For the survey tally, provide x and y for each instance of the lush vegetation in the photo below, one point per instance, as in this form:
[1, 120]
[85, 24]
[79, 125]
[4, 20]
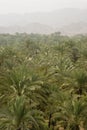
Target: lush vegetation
[43, 82]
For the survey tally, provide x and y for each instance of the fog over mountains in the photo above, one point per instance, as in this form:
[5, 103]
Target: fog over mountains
[67, 21]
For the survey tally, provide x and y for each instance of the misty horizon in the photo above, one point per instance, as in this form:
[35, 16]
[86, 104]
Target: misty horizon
[31, 6]
[43, 16]
[45, 11]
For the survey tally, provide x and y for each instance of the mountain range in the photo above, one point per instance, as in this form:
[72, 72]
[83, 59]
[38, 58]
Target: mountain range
[67, 21]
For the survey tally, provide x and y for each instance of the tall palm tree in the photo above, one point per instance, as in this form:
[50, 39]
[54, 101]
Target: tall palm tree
[71, 111]
[20, 116]
[77, 82]
[17, 82]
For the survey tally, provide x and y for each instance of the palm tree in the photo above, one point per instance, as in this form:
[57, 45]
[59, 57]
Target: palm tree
[20, 116]
[71, 112]
[17, 82]
[77, 82]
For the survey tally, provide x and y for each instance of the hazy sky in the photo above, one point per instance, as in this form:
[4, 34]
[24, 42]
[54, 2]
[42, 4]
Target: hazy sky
[23, 6]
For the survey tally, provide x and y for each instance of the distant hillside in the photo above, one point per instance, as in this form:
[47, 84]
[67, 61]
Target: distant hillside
[74, 28]
[30, 28]
[69, 21]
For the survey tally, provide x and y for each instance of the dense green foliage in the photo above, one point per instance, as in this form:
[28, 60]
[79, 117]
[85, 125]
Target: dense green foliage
[43, 82]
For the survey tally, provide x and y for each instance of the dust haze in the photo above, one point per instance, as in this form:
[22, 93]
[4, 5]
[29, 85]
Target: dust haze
[43, 16]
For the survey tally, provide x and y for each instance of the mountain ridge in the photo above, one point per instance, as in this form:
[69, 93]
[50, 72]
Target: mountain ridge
[45, 22]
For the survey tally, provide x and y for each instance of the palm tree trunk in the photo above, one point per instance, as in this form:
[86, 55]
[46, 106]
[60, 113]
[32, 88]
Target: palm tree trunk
[49, 123]
[75, 127]
[18, 128]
